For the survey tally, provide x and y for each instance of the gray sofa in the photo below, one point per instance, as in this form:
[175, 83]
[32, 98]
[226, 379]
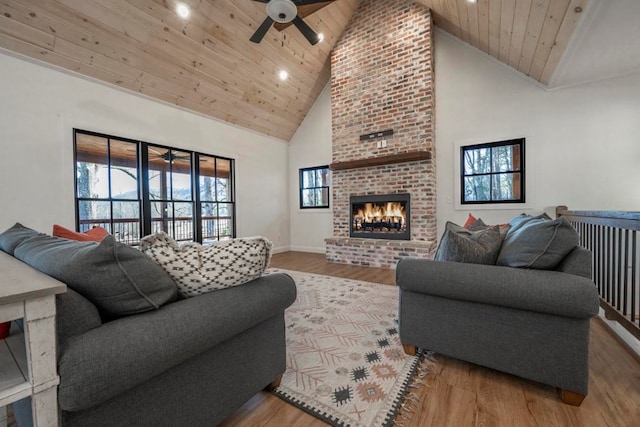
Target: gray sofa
[533, 323]
[176, 362]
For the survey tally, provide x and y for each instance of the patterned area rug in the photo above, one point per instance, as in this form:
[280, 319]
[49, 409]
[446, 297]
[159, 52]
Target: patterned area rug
[345, 362]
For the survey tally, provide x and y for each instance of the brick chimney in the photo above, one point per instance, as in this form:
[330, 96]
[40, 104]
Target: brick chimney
[382, 79]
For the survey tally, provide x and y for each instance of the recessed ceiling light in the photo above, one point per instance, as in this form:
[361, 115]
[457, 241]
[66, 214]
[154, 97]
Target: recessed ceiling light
[283, 75]
[471, 1]
[183, 10]
[321, 37]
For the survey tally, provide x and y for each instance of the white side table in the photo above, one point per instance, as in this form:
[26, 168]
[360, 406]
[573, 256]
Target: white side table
[28, 363]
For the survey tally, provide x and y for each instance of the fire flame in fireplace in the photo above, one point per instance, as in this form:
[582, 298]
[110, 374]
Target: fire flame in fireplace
[389, 211]
[381, 218]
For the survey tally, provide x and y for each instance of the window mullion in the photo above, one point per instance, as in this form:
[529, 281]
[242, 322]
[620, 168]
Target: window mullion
[197, 208]
[146, 194]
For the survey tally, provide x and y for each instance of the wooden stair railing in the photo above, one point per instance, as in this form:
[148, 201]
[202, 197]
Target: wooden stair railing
[613, 239]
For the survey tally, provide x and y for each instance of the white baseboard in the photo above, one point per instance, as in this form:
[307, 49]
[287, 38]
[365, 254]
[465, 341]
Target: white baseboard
[280, 249]
[311, 249]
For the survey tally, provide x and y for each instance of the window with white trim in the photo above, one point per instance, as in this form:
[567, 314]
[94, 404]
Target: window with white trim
[493, 172]
[314, 187]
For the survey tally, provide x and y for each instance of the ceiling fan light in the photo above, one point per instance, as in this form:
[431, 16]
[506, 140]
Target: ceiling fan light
[282, 11]
[183, 10]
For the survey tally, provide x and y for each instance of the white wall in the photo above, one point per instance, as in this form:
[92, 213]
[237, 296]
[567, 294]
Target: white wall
[309, 147]
[582, 145]
[581, 142]
[40, 106]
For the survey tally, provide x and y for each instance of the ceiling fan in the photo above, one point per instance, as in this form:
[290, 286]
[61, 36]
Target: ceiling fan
[285, 12]
[168, 156]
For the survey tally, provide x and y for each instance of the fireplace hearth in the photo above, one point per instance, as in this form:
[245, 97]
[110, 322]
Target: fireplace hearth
[381, 216]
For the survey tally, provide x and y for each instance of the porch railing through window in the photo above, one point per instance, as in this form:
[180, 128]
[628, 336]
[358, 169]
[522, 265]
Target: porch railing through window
[614, 241]
[127, 230]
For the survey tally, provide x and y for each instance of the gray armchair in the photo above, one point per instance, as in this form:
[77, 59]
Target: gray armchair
[530, 323]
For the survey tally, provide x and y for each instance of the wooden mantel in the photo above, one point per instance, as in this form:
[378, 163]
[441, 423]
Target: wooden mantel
[413, 156]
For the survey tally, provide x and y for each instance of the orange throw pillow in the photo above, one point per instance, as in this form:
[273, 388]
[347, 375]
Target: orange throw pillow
[96, 234]
[470, 220]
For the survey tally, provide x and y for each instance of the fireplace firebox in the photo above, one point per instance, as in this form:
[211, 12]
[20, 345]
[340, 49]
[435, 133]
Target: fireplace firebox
[381, 216]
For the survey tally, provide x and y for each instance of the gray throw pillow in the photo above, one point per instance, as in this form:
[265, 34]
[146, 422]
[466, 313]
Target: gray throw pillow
[475, 247]
[538, 243]
[522, 219]
[117, 278]
[517, 220]
[477, 225]
[15, 235]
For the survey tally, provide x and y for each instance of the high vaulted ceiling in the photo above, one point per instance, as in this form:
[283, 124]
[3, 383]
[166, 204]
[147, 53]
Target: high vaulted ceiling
[207, 63]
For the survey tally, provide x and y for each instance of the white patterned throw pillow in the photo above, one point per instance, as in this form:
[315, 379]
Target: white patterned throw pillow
[198, 269]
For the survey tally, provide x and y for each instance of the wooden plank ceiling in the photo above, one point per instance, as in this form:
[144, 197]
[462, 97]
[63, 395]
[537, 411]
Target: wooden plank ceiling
[207, 63]
[528, 35]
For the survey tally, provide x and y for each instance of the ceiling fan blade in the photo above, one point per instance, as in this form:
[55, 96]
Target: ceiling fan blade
[262, 30]
[304, 10]
[306, 30]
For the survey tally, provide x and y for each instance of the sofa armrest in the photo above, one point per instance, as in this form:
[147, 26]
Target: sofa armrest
[545, 291]
[118, 355]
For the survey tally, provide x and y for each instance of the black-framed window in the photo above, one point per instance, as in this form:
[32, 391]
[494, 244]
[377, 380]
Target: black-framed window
[314, 187]
[493, 172]
[134, 188]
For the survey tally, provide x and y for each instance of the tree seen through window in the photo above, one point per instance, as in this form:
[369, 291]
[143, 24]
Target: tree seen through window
[314, 187]
[493, 173]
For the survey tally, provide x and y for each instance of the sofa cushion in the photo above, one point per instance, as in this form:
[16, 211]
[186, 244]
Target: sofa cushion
[198, 269]
[461, 245]
[15, 235]
[117, 278]
[96, 234]
[537, 243]
[75, 315]
[577, 262]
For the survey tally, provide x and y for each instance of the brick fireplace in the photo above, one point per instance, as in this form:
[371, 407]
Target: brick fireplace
[382, 80]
